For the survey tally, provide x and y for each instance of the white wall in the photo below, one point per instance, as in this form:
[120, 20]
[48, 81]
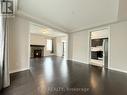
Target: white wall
[18, 44]
[10, 27]
[79, 43]
[37, 39]
[40, 40]
[59, 46]
[119, 46]
[122, 14]
[78, 46]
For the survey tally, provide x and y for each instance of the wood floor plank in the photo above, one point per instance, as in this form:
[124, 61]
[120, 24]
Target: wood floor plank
[56, 76]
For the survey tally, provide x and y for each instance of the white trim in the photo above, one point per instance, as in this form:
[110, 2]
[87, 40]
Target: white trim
[67, 50]
[40, 21]
[96, 26]
[119, 70]
[109, 42]
[29, 49]
[18, 70]
[88, 56]
[99, 28]
[79, 61]
[109, 47]
[64, 29]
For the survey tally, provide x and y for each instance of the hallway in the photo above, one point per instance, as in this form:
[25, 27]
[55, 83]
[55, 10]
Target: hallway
[55, 76]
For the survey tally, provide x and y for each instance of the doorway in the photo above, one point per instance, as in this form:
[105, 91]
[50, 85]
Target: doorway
[46, 42]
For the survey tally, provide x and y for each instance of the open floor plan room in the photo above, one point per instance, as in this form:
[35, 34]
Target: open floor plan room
[63, 47]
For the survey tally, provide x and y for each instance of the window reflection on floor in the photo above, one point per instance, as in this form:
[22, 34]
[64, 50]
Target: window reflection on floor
[48, 69]
[64, 70]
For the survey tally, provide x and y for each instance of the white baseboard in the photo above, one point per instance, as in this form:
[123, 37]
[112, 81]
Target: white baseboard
[119, 70]
[78, 61]
[18, 70]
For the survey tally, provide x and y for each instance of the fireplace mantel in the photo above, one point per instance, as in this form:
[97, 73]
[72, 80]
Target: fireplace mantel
[37, 45]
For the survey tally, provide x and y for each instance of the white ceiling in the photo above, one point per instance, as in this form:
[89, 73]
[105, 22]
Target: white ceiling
[45, 31]
[72, 15]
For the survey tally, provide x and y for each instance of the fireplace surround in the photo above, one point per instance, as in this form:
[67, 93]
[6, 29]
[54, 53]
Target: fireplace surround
[37, 51]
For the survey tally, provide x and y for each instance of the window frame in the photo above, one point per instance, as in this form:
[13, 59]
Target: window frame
[49, 44]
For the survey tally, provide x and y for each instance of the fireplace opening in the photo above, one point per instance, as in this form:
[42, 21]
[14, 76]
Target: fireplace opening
[37, 51]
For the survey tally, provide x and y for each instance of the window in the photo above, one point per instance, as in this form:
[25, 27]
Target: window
[49, 44]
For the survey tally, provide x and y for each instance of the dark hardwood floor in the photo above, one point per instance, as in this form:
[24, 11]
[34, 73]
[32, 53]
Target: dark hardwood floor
[55, 76]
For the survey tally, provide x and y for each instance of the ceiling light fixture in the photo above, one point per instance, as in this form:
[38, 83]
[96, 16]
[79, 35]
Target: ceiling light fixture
[44, 31]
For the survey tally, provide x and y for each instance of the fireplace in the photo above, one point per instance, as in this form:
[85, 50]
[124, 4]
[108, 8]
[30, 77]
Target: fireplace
[37, 51]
